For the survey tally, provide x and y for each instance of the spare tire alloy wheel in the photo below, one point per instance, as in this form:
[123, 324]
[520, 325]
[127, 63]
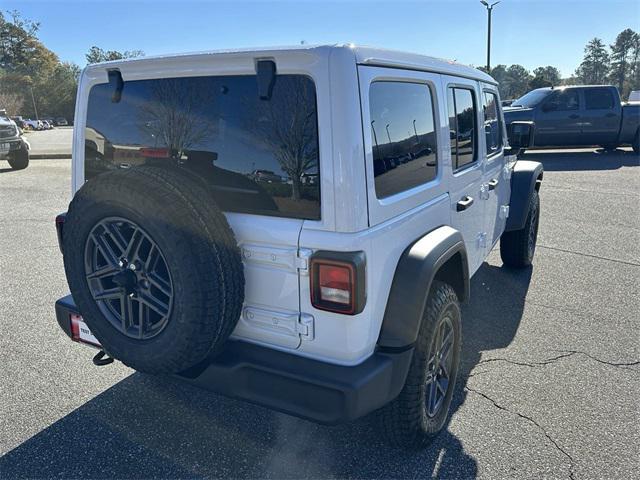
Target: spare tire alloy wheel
[153, 267]
[128, 278]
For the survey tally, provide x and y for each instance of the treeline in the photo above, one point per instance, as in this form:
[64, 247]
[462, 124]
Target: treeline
[32, 77]
[618, 64]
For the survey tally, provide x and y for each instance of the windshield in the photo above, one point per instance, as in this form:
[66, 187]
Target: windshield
[531, 99]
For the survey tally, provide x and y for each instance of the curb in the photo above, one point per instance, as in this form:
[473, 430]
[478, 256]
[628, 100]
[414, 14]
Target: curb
[50, 156]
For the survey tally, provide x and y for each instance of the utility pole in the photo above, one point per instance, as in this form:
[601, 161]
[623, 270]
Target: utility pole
[489, 8]
[33, 99]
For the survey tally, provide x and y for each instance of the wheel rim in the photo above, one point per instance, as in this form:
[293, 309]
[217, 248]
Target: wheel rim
[128, 278]
[439, 367]
[533, 234]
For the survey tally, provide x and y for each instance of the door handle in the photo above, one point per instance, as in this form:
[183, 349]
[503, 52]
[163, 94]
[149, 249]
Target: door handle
[464, 203]
[574, 116]
[609, 115]
[493, 183]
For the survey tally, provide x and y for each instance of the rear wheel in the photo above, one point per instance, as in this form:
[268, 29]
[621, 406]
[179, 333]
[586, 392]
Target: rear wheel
[19, 159]
[418, 414]
[518, 247]
[155, 271]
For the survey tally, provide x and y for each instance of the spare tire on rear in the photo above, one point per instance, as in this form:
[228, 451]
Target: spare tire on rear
[153, 267]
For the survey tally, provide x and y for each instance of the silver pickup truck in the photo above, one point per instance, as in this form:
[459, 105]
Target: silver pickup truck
[578, 115]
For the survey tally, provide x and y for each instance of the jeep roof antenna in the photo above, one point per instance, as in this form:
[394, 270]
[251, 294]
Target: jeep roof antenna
[266, 72]
[116, 82]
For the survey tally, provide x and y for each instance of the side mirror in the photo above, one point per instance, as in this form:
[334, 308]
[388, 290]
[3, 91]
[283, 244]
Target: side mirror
[520, 134]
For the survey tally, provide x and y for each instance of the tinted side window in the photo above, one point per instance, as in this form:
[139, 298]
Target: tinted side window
[257, 156]
[462, 126]
[404, 136]
[598, 99]
[564, 101]
[492, 123]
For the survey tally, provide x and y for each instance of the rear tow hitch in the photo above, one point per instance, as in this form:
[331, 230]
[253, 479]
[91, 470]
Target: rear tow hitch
[101, 359]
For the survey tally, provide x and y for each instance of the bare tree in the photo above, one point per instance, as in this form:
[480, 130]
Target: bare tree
[288, 125]
[172, 115]
[11, 102]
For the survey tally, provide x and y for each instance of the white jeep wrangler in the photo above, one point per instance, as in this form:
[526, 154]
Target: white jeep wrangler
[292, 227]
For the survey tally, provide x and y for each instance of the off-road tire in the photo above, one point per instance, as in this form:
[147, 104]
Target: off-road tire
[405, 422]
[515, 249]
[200, 251]
[19, 159]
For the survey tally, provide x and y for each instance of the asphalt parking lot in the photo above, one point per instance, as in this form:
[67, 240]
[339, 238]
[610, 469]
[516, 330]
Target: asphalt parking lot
[49, 144]
[549, 386]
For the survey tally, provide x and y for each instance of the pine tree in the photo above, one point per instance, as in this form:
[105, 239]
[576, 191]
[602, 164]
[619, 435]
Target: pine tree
[595, 64]
[622, 52]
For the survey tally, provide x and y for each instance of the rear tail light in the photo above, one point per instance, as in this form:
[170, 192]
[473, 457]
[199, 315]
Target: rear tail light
[338, 282]
[60, 228]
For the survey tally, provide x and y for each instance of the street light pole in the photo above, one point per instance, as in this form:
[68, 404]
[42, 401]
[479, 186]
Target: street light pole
[35, 110]
[388, 136]
[489, 8]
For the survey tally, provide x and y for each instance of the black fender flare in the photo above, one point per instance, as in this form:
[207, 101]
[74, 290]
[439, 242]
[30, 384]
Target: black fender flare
[415, 272]
[526, 177]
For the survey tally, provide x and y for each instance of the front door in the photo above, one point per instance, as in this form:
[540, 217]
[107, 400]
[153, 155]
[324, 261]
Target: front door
[559, 119]
[466, 192]
[496, 179]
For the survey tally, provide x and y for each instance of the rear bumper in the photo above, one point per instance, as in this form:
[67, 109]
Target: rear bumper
[299, 386]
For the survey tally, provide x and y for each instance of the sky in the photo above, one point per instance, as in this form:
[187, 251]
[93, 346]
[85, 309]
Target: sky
[529, 32]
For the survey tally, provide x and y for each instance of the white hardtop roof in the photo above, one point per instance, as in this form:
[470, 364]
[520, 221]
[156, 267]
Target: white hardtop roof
[363, 55]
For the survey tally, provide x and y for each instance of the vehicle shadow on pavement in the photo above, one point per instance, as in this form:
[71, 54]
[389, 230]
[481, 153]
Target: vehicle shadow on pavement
[491, 318]
[5, 170]
[148, 427]
[596, 159]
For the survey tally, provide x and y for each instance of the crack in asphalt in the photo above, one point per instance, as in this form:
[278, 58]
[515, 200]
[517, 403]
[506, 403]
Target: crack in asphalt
[608, 259]
[565, 354]
[613, 364]
[533, 422]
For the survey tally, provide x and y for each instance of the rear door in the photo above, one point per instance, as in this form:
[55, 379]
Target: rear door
[467, 193]
[559, 119]
[220, 129]
[602, 115]
[496, 179]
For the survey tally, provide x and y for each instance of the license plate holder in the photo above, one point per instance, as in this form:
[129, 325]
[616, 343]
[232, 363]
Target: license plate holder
[82, 333]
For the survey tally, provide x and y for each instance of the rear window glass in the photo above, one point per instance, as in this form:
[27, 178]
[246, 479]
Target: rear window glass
[462, 126]
[492, 123]
[257, 156]
[598, 99]
[404, 136]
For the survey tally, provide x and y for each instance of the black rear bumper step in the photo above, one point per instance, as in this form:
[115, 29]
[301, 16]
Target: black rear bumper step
[307, 388]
